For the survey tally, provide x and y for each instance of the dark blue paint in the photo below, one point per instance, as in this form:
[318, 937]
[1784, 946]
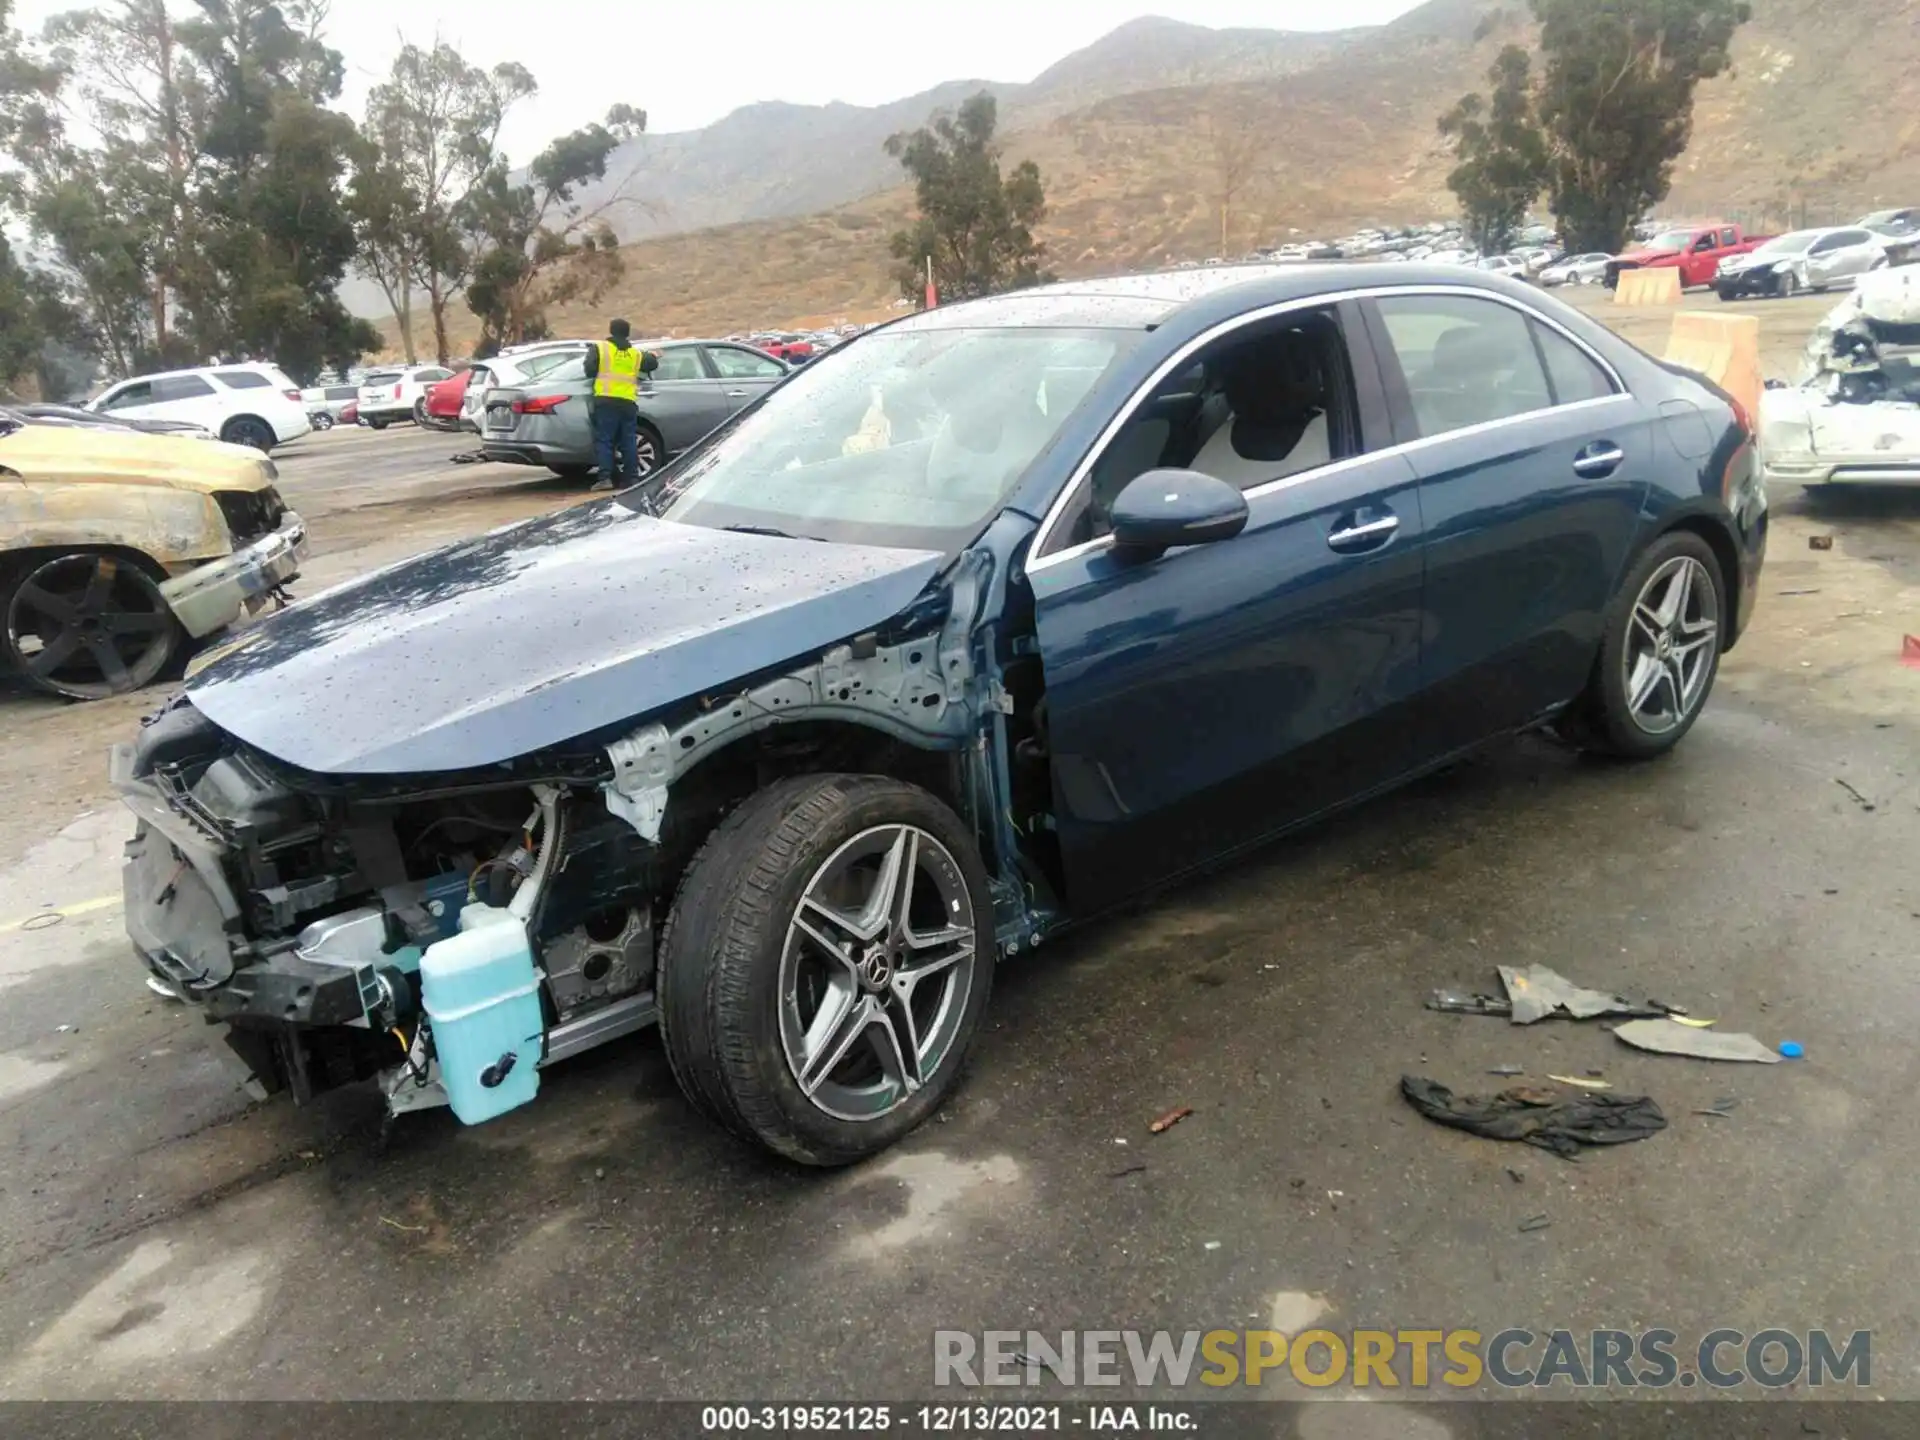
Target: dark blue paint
[538, 633]
[1165, 508]
[1206, 698]
[1523, 556]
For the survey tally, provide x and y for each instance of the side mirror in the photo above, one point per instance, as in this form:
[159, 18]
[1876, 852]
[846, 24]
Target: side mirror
[1166, 508]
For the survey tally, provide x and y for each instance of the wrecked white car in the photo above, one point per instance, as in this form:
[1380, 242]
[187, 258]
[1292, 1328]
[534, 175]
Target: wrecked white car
[1855, 415]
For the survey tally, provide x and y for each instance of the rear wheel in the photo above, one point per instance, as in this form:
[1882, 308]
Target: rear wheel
[247, 430]
[652, 449]
[1660, 653]
[377, 422]
[826, 964]
[420, 413]
[86, 625]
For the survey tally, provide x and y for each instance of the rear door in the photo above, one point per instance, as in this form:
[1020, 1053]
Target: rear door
[680, 399]
[744, 374]
[1532, 461]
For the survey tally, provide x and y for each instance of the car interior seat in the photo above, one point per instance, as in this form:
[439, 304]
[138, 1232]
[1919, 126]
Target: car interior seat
[1278, 385]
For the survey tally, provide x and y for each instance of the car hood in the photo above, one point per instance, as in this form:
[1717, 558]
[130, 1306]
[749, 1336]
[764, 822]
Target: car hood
[95, 454]
[1753, 260]
[537, 634]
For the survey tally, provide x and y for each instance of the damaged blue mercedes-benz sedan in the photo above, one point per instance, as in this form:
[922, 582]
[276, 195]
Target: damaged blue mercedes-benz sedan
[989, 621]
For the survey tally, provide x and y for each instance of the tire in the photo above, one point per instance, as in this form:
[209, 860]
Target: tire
[1786, 286]
[740, 983]
[420, 413]
[377, 422]
[323, 421]
[653, 450]
[571, 472]
[1605, 718]
[1727, 297]
[85, 625]
[251, 431]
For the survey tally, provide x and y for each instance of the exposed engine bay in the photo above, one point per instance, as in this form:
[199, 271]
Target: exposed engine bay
[336, 934]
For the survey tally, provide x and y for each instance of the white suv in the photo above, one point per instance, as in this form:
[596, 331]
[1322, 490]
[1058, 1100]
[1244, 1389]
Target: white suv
[397, 393]
[244, 404]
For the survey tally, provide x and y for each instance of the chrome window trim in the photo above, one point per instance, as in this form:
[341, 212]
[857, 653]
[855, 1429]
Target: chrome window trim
[1185, 353]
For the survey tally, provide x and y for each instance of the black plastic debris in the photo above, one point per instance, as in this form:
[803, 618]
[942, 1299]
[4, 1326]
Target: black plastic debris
[1544, 1118]
[1459, 1002]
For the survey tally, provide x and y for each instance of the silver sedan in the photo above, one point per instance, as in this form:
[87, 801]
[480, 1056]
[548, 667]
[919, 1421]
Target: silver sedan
[546, 419]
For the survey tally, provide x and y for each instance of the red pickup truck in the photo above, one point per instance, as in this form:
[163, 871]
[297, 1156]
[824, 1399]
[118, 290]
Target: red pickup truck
[1694, 250]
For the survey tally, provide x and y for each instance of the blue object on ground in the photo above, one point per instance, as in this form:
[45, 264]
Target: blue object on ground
[1792, 1049]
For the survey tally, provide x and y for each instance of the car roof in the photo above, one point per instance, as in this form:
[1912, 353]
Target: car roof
[1143, 301]
[200, 370]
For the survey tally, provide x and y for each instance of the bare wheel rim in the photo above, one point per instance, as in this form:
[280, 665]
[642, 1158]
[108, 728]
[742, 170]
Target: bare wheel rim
[1670, 650]
[89, 626]
[875, 972]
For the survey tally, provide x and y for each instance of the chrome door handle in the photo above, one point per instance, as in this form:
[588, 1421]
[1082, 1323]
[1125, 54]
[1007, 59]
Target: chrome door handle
[1599, 460]
[1363, 537]
[736, 394]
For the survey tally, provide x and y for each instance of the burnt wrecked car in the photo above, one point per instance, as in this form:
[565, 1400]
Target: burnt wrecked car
[984, 623]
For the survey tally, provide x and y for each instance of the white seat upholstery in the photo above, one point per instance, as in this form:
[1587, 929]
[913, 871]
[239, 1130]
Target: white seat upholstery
[1219, 459]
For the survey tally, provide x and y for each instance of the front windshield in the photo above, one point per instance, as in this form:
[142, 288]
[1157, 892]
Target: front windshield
[910, 438]
[1793, 244]
[1672, 240]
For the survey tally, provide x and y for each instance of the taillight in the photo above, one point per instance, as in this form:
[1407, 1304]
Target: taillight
[539, 404]
[293, 395]
[396, 392]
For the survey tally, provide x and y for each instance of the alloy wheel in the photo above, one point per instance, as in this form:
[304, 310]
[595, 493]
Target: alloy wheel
[875, 972]
[89, 626]
[1669, 656]
[646, 453]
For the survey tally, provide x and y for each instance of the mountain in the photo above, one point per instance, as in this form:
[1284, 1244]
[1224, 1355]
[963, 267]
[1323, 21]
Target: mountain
[1818, 121]
[774, 159]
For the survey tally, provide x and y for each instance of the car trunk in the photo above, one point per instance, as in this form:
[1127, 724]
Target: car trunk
[509, 411]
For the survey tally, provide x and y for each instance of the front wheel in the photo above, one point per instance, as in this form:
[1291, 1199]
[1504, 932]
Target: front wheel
[826, 965]
[1660, 653]
[1786, 286]
[377, 422]
[86, 625]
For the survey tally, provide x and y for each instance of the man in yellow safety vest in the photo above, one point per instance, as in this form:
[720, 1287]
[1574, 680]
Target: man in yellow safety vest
[615, 367]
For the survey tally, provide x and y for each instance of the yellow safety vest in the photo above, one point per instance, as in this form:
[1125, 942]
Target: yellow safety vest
[618, 377]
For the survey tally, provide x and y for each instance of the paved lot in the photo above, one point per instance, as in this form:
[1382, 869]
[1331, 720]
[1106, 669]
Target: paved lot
[160, 1237]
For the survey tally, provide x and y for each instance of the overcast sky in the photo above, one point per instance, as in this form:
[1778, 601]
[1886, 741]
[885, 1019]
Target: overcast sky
[688, 62]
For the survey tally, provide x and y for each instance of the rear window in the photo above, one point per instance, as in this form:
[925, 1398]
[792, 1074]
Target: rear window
[380, 377]
[342, 392]
[242, 379]
[179, 387]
